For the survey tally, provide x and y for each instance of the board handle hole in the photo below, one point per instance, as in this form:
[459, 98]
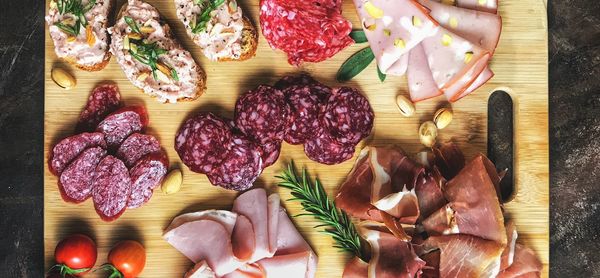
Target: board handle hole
[500, 143]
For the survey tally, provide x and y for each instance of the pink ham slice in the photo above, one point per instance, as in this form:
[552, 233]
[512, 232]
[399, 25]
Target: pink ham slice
[400, 67]
[200, 270]
[525, 265]
[421, 85]
[389, 49]
[253, 204]
[490, 6]
[454, 62]
[390, 256]
[483, 78]
[294, 265]
[478, 27]
[246, 271]
[243, 244]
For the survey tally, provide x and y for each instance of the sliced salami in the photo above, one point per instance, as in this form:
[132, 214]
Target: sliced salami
[122, 123]
[202, 142]
[136, 146]
[146, 175]
[291, 80]
[305, 107]
[269, 153]
[327, 151]
[241, 167]
[262, 114]
[104, 100]
[348, 116]
[75, 182]
[69, 148]
[111, 188]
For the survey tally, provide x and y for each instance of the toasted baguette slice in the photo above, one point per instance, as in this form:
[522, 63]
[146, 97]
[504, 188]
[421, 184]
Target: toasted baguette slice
[227, 36]
[88, 50]
[176, 77]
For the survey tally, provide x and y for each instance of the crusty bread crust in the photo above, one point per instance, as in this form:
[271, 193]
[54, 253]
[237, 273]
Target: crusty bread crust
[249, 42]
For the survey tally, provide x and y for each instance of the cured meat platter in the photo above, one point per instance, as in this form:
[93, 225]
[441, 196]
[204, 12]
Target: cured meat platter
[520, 67]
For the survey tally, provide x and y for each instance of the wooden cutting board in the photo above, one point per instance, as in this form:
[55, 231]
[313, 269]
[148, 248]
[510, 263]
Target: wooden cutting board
[521, 67]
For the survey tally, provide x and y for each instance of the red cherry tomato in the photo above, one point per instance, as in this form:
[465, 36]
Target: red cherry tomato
[128, 258]
[75, 255]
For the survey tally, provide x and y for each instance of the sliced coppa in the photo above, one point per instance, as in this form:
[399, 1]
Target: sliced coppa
[262, 114]
[305, 108]
[202, 142]
[269, 153]
[122, 123]
[327, 151]
[75, 182]
[348, 116]
[136, 146]
[69, 148]
[111, 188]
[104, 100]
[241, 167]
[146, 175]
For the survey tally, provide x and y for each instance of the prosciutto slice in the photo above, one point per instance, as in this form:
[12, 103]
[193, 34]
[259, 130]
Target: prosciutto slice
[391, 257]
[421, 85]
[356, 268]
[525, 264]
[508, 254]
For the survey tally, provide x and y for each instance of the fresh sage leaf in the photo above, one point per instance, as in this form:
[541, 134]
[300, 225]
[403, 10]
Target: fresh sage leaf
[380, 74]
[355, 64]
[358, 36]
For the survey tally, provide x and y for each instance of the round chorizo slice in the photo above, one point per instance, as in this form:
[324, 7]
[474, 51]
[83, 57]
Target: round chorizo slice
[122, 123]
[146, 175]
[75, 182]
[103, 100]
[241, 167]
[136, 146]
[111, 188]
[348, 116]
[69, 148]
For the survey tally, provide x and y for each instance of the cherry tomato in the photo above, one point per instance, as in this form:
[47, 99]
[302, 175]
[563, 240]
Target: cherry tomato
[75, 255]
[128, 258]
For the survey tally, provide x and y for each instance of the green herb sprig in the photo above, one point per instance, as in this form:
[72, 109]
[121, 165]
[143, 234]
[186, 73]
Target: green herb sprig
[316, 203]
[359, 60]
[207, 7]
[78, 10]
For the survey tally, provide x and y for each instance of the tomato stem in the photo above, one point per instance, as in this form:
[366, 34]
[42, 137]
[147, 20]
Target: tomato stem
[64, 270]
[115, 273]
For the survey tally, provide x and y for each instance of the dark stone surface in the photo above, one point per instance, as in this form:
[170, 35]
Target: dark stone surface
[574, 45]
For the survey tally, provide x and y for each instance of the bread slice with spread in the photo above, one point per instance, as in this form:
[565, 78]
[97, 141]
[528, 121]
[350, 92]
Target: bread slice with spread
[152, 59]
[219, 28]
[78, 29]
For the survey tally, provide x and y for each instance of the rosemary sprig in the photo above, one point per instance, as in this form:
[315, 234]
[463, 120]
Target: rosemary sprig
[78, 10]
[207, 7]
[316, 203]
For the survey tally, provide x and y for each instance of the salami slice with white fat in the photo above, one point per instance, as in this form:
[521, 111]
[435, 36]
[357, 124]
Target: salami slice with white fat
[305, 107]
[421, 85]
[202, 142]
[75, 182]
[240, 168]
[104, 100]
[477, 27]
[327, 151]
[269, 153]
[262, 114]
[146, 175]
[120, 124]
[136, 146]
[454, 62]
[69, 148]
[348, 116]
[111, 188]
[490, 6]
[291, 80]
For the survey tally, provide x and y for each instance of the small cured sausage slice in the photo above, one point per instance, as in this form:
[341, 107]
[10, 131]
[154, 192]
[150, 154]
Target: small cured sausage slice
[241, 166]
[269, 153]
[104, 100]
[202, 142]
[454, 62]
[75, 182]
[406, 26]
[146, 175]
[305, 107]
[348, 116]
[122, 123]
[111, 188]
[136, 146]
[325, 150]
[421, 85]
[69, 148]
[291, 80]
[490, 6]
[262, 114]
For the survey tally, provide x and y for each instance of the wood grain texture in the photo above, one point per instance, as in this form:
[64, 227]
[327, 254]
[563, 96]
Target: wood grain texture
[520, 64]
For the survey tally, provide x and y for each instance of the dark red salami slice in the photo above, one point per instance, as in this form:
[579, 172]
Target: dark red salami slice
[269, 153]
[348, 116]
[291, 80]
[136, 146]
[262, 114]
[69, 148]
[122, 123]
[104, 100]
[146, 175]
[75, 182]
[111, 188]
[305, 107]
[325, 150]
[202, 142]
[241, 167]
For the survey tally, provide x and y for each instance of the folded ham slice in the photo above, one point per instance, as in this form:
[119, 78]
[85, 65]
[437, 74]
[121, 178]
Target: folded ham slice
[490, 6]
[253, 204]
[525, 264]
[393, 31]
[483, 77]
[421, 85]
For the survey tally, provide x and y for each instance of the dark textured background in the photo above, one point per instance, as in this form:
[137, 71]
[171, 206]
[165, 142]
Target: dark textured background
[574, 41]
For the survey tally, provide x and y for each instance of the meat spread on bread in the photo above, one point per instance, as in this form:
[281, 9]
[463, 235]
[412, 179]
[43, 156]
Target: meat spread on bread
[152, 59]
[78, 29]
[219, 28]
